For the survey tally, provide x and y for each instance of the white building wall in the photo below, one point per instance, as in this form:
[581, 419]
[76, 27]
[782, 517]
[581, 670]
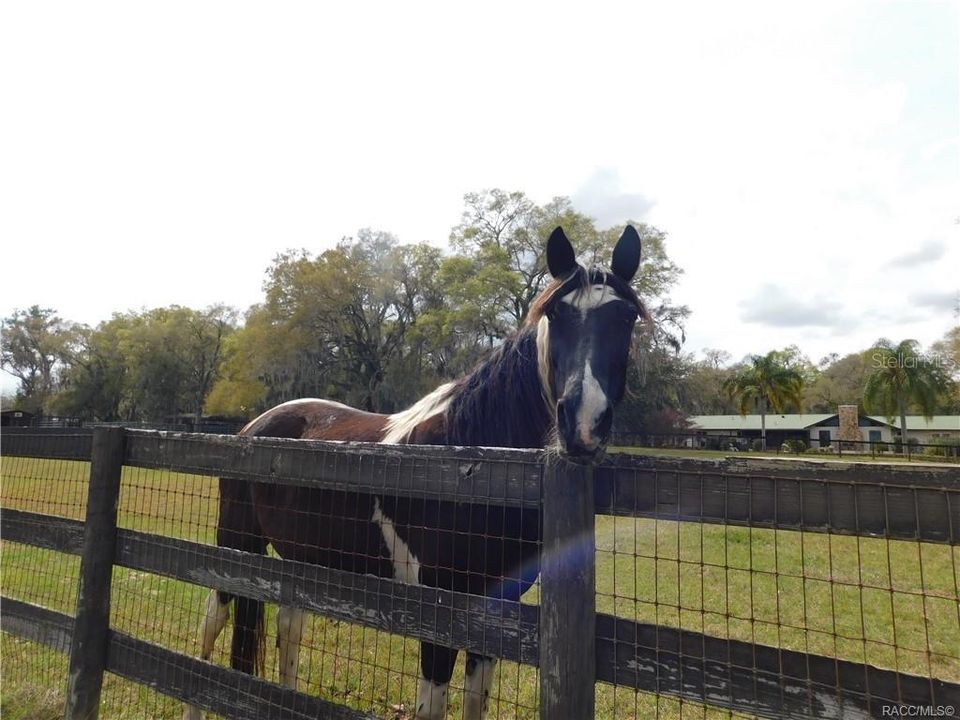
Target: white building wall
[928, 437]
[886, 434]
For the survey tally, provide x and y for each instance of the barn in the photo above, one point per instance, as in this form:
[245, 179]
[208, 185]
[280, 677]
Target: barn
[16, 418]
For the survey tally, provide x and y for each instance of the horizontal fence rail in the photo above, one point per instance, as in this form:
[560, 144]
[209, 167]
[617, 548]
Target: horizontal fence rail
[440, 473]
[746, 677]
[31, 622]
[47, 443]
[902, 502]
[443, 616]
[200, 683]
[895, 502]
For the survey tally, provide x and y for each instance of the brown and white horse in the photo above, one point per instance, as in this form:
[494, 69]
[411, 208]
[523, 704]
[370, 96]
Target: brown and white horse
[556, 380]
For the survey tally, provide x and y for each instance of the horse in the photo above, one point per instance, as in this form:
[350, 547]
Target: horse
[554, 383]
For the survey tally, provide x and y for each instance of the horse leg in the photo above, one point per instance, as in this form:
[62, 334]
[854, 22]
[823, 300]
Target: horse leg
[476, 686]
[239, 529]
[436, 669]
[215, 617]
[289, 633]
[214, 620]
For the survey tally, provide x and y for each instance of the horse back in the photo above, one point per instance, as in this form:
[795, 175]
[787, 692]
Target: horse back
[312, 419]
[239, 526]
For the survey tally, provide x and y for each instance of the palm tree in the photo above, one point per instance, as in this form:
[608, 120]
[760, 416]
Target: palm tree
[768, 382]
[902, 376]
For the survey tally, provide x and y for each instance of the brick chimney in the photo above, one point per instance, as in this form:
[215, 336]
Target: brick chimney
[849, 423]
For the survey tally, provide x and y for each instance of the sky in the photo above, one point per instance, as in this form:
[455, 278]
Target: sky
[802, 157]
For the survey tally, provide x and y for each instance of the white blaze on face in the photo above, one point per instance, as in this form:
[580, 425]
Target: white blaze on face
[593, 403]
[589, 298]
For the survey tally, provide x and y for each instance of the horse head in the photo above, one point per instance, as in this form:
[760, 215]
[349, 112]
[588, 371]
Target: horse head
[585, 320]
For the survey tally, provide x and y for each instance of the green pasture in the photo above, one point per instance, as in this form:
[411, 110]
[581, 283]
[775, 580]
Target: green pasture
[916, 458]
[893, 604]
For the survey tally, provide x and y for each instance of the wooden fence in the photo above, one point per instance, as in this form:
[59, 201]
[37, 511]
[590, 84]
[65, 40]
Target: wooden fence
[573, 645]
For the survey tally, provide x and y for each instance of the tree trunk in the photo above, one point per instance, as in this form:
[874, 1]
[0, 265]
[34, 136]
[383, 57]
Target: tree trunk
[903, 421]
[763, 423]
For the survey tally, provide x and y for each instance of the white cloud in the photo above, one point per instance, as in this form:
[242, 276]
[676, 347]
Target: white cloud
[947, 300]
[602, 197]
[773, 306]
[928, 252]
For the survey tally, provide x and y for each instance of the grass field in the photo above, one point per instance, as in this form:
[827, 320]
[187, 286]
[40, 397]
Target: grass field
[893, 604]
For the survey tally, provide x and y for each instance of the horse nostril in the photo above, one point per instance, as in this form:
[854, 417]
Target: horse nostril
[604, 423]
[567, 422]
[566, 414]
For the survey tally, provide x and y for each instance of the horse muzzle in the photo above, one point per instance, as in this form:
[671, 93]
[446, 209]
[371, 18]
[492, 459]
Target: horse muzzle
[581, 444]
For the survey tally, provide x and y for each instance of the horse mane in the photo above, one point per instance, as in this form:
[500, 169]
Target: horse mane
[501, 403]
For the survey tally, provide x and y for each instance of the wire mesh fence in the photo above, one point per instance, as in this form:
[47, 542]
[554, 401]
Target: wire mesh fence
[943, 447]
[846, 568]
[722, 590]
[33, 675]
[359, 667]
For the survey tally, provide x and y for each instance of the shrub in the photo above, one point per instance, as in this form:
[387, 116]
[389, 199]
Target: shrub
[794, 446]
[944, 447]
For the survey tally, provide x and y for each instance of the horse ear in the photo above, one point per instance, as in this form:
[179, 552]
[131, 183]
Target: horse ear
[626, 255]
[561, 258]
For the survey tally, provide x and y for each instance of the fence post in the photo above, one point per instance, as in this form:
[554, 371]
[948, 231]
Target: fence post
[567, 592]
[88, 649]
